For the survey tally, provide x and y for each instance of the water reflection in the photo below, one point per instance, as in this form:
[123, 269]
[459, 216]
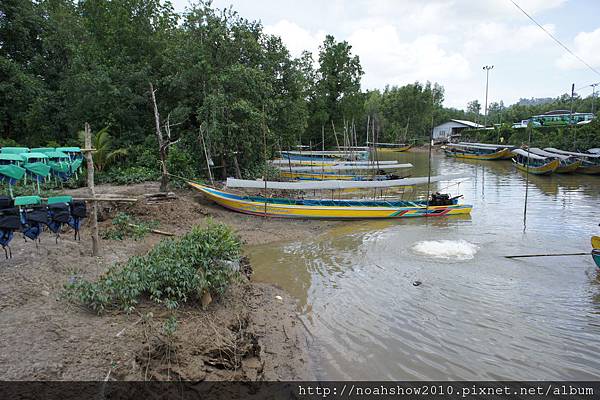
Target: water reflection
[482, 318]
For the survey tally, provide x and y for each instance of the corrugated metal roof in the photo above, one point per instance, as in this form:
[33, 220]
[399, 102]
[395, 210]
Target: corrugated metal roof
[467, 123]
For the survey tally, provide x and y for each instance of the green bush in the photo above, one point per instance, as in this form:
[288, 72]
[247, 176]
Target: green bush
[124, 226]
[127, 175]
[174, 272]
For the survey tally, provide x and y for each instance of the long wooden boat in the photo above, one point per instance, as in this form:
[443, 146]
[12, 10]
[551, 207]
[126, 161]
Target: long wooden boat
[390, 147]
[333, 172]
[508, 155]
[322, 176]
[567, 164]
[314, 163]
[324, 156]
[534, 164]
[475, 152]
[590, 163]
[329, 209]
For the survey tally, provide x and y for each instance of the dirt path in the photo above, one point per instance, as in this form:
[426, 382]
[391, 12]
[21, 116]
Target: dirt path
[251, 333]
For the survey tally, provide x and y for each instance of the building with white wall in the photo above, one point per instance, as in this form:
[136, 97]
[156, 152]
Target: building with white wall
[451, 129]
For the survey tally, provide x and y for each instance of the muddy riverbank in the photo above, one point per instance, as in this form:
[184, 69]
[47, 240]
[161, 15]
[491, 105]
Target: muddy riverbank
[251, 333]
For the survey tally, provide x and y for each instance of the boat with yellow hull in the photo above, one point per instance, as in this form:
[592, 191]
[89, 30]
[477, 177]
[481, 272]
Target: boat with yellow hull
[476, 152]
[393, 149]
[590, 162]
[567, 164]
[533, 163]
[596, 250]
[589, 169]
[497, 147]
[328, 209]
[568, 168]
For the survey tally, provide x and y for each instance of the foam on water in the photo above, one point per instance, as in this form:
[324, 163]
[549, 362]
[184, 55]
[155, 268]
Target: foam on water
[446, 249]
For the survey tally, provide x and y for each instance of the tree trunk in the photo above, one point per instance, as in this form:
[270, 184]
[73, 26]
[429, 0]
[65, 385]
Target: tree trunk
[162, 148]
[92, 190]
[224, 159]
[164, 178]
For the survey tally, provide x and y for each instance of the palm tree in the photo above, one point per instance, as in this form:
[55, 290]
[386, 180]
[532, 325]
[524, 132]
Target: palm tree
[104, 155]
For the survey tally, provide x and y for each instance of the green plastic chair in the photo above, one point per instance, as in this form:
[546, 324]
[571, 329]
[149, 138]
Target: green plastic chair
[60, 199]
[27, 200]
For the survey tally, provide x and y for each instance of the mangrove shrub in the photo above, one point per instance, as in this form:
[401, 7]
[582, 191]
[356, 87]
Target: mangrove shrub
[174, 272]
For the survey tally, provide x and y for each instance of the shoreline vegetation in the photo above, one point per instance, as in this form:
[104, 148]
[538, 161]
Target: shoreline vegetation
[243, 330]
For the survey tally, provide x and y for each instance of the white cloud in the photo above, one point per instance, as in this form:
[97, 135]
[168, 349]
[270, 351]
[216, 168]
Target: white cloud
[389, 60]
[495, 37]
[586, 46]
[296, 38]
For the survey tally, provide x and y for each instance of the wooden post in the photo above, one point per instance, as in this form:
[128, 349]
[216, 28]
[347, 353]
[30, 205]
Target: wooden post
[90, 181]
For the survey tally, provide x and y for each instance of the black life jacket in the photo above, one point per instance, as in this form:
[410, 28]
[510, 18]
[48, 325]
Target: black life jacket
[33, 219]
[58, 215]
[10, 221]
[78, 211]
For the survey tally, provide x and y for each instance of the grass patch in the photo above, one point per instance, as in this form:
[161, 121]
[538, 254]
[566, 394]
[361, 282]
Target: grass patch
[125, 226]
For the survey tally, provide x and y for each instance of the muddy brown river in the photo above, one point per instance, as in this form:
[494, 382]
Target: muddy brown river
[436, 299]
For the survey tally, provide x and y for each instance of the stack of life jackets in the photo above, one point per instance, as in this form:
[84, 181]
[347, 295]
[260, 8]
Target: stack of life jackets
[9, 223]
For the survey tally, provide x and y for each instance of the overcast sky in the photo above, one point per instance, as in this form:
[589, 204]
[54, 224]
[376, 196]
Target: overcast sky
[446, 41]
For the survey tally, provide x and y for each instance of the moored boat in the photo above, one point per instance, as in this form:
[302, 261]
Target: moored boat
[390, 147]
[326, 155]
[590, 163]
[507, 156]
[567, 164]
[596, 249]
[378, 172]
[534, 164]
[321, 176]
[333, 209]
[475, 152]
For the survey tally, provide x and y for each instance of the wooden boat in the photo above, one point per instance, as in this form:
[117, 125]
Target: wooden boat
[596, 250]
[321, 176]
[590, 163]
[308, 163]
[334, 172]
[325, 156]
[498, 147]
[475, 152]
[534, 164]
[567, 164]
[390, 147]
[328, 209]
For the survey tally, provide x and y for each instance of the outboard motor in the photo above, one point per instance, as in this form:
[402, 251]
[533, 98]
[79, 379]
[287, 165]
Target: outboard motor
[441, 199]
[9, 222]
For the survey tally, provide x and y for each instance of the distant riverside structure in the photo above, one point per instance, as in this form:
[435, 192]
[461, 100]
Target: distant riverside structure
[448, 131]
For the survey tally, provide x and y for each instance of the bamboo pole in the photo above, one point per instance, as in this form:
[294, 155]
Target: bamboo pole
[92, 190]
[548, 255]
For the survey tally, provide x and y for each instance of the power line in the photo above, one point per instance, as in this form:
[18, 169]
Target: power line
[555, 39]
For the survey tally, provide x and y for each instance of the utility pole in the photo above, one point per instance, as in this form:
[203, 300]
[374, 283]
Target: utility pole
[487, 80]
[593, 85]
[572, 95]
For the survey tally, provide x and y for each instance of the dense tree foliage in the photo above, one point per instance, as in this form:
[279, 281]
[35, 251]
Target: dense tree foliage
[220, 80]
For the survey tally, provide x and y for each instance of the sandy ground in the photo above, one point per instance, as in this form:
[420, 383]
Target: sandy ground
[251, 333]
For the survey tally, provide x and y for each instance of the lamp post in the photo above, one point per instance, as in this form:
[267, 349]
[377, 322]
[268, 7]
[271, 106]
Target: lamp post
[487, 80]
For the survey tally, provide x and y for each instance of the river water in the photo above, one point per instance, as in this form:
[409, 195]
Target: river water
[475, 315]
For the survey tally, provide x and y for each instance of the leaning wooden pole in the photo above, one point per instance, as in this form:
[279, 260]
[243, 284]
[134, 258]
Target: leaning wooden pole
[90, 182]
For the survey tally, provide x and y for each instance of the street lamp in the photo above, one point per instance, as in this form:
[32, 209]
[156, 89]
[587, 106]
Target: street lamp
[487, 79]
